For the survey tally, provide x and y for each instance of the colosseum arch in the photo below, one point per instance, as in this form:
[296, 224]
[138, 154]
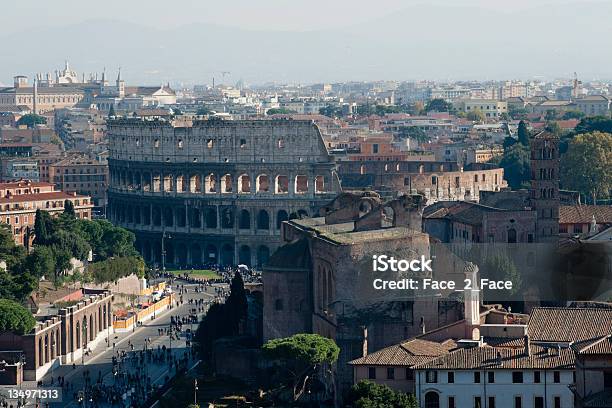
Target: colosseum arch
[145, 215]
[156, 182]
[181, 254]
[146, 181]
[227, 218]
[211, 253]
[156, 216]
[263, 254]
[168, 183]
[362, 169]
[281, 184]
[226, 183]
[181, 185]
[196, 254]
[301, 184]
[244, 221]
[263, 220]
[262, 183]
[244, 255]
[211, 183]
[211, 217]
[195, 218]
[181, 217]
[168, 217]
[195, 183]
[281, 216]
[227, 254]
[244, 183]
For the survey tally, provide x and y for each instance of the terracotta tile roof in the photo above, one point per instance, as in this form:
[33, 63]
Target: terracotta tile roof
[583, 214]
[502, 358]
[409, 353]
[52, 195]
[505, 342]
[567, 324]
[601, 345]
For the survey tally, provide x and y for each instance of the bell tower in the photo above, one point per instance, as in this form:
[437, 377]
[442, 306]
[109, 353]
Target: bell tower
[544, 193]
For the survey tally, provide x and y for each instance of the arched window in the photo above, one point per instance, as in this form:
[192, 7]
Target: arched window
[227, 218]
[244, 183]
[226, 183]
[280, 217]
[210, 183]
[319, 184]
[362, 169]
[282, 185]
[244, 255]
[262, 183]
[211, 218]
[511, 236]
[245, 220]
[263, 220]
[432, 400]
[301, 184]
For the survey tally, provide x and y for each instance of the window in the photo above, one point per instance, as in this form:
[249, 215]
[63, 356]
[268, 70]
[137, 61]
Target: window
[556, 376]
[209, 143]
[477, 402]
[409, 374]
[375, 148]
[557, 402]
[434, 180]
[477, 377]
[538, 402]
[390, 373]
[281, 143]
[518, 402]
[242, 143]
[431, 376]
[451, 402]
[491, 402]
[491, 377]
[451, 377]
[536, 377]
[372, 373]
[517, 377]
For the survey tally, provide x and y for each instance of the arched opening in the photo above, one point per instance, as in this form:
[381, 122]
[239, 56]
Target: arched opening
[227, 255]
[432, 400]
[302, 213]
[210, 183]
[91, 328]
[195, 218]
[196, 254]
[181, 254]
[156, 182]
[52, 345]
[263, 220]
[319, 184]
[244, 255]
[181, 186]
[245, 220]
[78, 335]
[262, 184]
[281, 216]
[195, 183]
[362, 169]
[168, 218]
[211, 218]
[211, 253]
[156, 216]
[512, 236]
[281, 185]
[46, 348]
[169, 247]
[145, 215]
[41, 353]
[226, 183]
[168, 183]
[227, 218]
[84, 328]
[301, 184]
[388, 216]
[244, 184]
[146, 181]
[263, 254]
[181, 220]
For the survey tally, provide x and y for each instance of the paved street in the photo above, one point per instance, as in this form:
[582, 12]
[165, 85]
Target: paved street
[138, 367]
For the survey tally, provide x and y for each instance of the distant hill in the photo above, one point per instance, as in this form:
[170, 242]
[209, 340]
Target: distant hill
[422, 41]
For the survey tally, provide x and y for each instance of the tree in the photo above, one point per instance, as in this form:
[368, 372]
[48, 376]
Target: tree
[111, 111]
[517, 166]
[554, 128]
[587, 165]
[366, 394]
[413, 132]
[476, 115]
[41, 262]
[331, 111]
[42, 227]
[517, 112]
[550, 114]
[301, 357]
[523, 134]
[69, 209]
[594, 124]
[30, 120]
[508, 142]
[280, 111]
[203, 110]
[500, 267]
[439, 105]
[15, 318]
[236, 303]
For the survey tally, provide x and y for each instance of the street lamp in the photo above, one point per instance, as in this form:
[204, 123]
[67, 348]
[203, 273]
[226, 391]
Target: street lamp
[163, 248]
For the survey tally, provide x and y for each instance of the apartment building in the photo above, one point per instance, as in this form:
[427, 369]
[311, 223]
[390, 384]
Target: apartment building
[83, 175]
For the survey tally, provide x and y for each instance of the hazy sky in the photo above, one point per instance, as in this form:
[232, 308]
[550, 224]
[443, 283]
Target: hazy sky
[18, 15]
[192, 41]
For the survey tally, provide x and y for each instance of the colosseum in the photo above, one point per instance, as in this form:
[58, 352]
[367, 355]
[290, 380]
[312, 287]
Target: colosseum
[215, 191]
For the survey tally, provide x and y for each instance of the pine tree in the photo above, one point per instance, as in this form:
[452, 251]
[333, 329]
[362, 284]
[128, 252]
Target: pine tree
[523, 134]
[69, 209]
